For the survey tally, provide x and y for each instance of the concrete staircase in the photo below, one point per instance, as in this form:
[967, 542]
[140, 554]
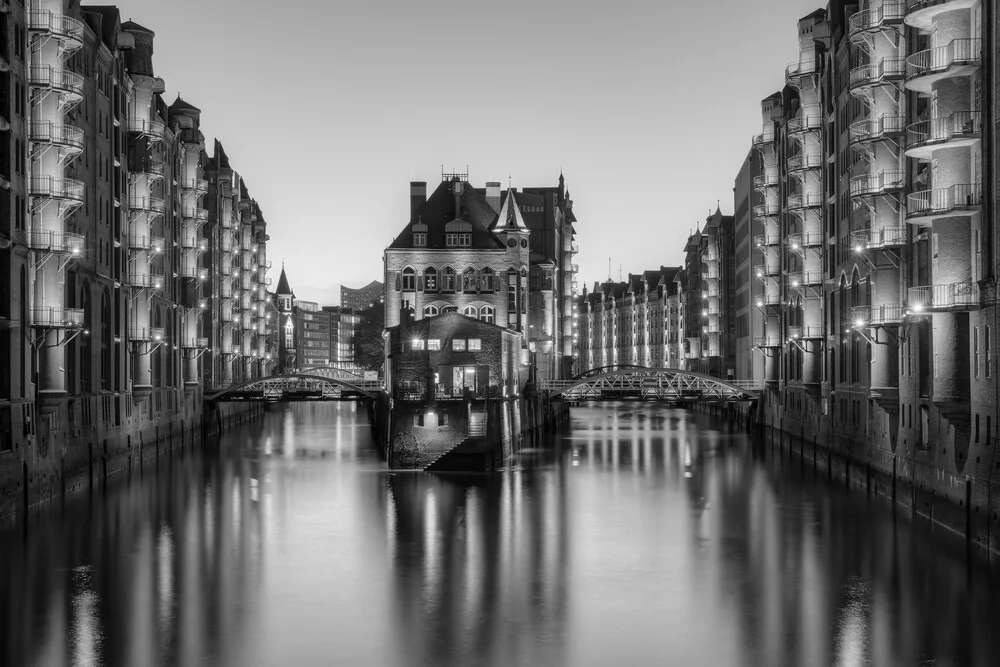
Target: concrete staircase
[471, 455]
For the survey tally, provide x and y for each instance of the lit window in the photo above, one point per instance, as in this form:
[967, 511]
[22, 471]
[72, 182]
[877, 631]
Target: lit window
[433, 344]
[458, 345]
[430, 279]
[469, 282]
[430, 311]
[486, 281]
[475, 345]
[417, 344]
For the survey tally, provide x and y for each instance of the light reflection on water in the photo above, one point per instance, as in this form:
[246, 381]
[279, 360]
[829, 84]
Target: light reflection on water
[644, 536]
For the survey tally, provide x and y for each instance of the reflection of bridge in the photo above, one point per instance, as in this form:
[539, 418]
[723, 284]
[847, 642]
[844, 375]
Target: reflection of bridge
[649, 384]
[315, 383]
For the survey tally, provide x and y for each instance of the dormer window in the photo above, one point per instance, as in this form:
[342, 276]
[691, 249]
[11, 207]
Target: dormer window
[420, 235]
[458, 234]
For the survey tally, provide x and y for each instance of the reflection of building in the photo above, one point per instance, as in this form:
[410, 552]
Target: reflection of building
[634, 322]
[363, 297]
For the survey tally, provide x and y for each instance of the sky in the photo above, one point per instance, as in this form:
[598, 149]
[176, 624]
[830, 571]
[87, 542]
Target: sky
[328, 109]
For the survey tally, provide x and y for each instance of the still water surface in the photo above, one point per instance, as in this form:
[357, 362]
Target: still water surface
[642, 536]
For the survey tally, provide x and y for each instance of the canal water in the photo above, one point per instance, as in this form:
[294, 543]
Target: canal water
[640, 536]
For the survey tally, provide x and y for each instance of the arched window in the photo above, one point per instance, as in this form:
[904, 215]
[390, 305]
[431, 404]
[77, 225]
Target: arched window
[448, 279]
[409, 279]
[486, 280]
[430, 279]
[471, 311]
[469, 282]
[449, 309]
[430, 311]
[487, 314]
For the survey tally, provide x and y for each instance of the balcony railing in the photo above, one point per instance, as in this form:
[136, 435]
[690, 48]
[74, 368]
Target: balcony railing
[64, 27]
[763, 139]
[146, 334]
[45, 240]
[197, 213]
[763, 270]
[57, 317]
[957, 199]
[885, 237]
[762, 181]
[197, 184]
[767, 341]
[195, 344]
[804, 240]
[956, 126]
[880, 128]
[762, 240]
[885, 70]
[805, 123]
[143, 242]
[938, 60]
[145, 280]
[877, 316]
[807, 200]
[800, 69]
[58, 134]
[877, 184]
[66, 189]
[766, 210]
[60, 80]
[193, 273]
[805, 332]
[889, 13]
[194, 243]
[151, 128]
[805, 278]
[147, 204]
[947, 296]
[807, 161]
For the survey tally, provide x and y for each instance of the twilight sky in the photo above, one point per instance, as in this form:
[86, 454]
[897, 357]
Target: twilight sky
[328, 109]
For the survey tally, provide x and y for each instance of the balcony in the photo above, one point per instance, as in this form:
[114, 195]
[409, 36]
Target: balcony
[226, 289]
[64, 189]
[962, 128]
[68, 30]
[767, 341]
[804, 123]
[198, 185]
[57, 317]
[64, 243]
[67, 137]
[879, 239]
[762, 181]
[773, 299]
[869, 75]
[961, 199]
[153, 205]
[198, 214]
[886, 314]
[766, 210]
[805, 332]
[226, 242]
[803, 162]
[141, 242]
[145, 280]
[920, 14]
[764, 240]
[799, 242]
[763, 139]
[767, 270]
[949, 296]
[146, 334]
[68, 84]
[960, 57]
[803, 201]
[884, 127]
[889, 14]
[805, 278]
[153, 128]
[193, 273]
[195, 344]
[882, 183]
[199, 243]
[796, 71]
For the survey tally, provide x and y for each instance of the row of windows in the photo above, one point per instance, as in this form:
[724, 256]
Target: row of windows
[471, 279]
[486, 313]
[457, 344]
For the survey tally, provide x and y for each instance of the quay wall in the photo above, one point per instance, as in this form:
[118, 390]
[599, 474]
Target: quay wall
[55, 447]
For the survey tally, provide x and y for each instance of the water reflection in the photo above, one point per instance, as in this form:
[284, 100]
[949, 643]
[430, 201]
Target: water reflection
[642, 537]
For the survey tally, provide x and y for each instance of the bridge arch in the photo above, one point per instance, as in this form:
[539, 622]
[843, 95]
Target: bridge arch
[640, 383]
[277, 387]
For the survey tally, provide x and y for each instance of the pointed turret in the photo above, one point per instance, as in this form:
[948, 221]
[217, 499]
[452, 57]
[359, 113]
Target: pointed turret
[283, 288]
[510, 217]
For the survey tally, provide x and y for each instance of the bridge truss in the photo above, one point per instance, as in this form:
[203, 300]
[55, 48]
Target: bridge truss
[299, 387]
[649, 384]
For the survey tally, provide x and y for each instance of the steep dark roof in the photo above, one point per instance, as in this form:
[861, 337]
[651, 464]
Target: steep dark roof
[130, 25]
[283, 287]
[440, 209]
[181, 105]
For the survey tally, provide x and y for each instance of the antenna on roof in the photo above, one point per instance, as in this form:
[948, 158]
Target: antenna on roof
[609, 269]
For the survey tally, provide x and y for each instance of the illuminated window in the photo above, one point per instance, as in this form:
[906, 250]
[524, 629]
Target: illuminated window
[417, 344]
[433, 344]
[469, 282]
[430, 311]
[430, 279]
[458, 345]
[486, 281]
[475, 345]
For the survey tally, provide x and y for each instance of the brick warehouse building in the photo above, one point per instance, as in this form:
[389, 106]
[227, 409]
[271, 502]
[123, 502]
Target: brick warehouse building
[102, 318]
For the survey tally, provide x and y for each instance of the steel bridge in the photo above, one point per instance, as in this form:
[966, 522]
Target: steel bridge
[302, 386]
[638, 383]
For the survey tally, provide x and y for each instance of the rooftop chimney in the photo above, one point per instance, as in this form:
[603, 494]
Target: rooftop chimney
[418, 196]
[493, 195]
